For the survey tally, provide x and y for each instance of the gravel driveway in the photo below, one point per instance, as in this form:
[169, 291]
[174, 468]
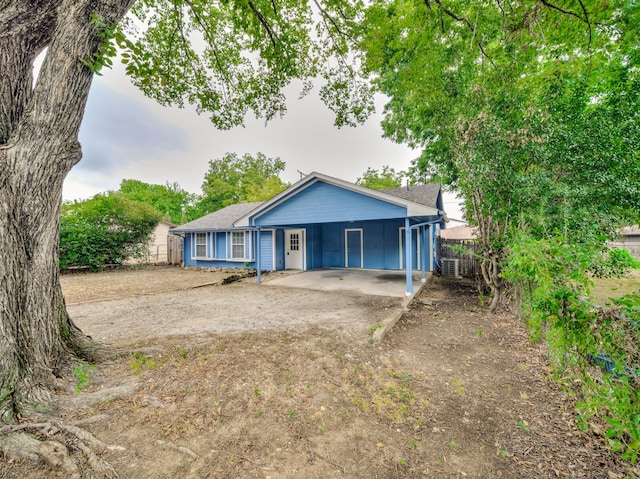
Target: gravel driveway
[236, 308]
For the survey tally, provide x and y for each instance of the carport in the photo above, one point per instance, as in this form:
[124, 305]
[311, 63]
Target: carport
[365, 281]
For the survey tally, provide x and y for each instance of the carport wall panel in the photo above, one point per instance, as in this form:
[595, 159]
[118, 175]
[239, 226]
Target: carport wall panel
[380, 244]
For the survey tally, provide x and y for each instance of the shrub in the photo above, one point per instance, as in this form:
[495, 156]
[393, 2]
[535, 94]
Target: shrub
[104, 230]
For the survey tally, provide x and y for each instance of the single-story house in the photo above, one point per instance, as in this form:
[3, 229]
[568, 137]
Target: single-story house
[322, 222]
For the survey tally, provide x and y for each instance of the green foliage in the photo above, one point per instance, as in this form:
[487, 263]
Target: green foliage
[169, 199]
[530, 112]
[107, 49]
[230, 58]
[233, 179]
[615, 264]
[104, 230]
[380, 180]
[598, 346]
[82, 372]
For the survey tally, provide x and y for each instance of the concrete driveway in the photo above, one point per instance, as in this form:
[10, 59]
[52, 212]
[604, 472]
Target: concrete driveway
[363, 281]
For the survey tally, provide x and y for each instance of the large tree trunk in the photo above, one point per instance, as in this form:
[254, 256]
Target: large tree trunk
[38, 147]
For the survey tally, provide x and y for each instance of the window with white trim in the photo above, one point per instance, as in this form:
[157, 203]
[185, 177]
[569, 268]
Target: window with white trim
[200, 245]
[237, 245]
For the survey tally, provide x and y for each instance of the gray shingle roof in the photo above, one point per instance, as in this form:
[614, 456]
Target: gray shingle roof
[221, 219]
[423, 194]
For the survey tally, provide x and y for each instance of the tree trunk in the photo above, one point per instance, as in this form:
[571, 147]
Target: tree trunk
[38, 147]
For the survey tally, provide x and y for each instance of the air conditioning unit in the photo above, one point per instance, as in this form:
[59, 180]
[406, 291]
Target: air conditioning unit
[450, 267]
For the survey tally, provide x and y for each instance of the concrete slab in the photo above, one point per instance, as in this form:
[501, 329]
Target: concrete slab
[364, 281]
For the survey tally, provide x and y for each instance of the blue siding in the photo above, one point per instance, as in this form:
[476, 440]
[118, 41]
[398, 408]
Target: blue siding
[380, 242]
[414, 248]
[325, 246]
[221, 245]
[322, 203]
[266, 250]
[279, 250]
[314, 246]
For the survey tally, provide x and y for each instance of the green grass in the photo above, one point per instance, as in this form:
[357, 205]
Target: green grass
[605, 288]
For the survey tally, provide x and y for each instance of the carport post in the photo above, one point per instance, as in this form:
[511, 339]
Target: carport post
[423, 254]
[408, 255]
[258, 266]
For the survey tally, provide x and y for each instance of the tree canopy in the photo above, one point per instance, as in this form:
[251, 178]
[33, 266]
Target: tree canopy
[379, 180]
[240, 179]
[169, 199]
[530, 110]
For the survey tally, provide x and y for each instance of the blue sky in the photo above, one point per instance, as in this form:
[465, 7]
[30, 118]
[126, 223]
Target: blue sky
[126, 135]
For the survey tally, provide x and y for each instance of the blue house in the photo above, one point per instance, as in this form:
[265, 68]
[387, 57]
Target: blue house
[322, 222]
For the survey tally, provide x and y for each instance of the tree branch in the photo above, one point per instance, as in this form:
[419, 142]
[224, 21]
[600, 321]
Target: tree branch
[264, 22]
[561, 10]
[471, 27]
[325, 15]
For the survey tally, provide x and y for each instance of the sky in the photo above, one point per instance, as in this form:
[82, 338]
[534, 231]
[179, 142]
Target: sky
[125, 135]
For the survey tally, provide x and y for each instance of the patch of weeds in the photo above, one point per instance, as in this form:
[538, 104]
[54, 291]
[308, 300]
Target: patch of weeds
[523, 424]
[413, 442]
[372, 331]
[292, 414]
[453, 445]
[256, 392]
[140, 362]
[258, 414]
[81, 373]
[402, 462]
[502, 452]
[322, 430]
[183, 353]
[459, 387]
[479, 332]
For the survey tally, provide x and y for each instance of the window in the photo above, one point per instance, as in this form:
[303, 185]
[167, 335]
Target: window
[201, 245]
[237, 245]
[294, 242]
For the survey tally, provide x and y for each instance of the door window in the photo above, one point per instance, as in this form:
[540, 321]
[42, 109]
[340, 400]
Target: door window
[294, 242]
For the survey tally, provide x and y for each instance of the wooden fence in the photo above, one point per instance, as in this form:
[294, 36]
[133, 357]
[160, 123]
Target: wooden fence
[174, 249]
[464, 251]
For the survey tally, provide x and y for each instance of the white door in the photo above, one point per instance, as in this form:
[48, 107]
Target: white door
[294, 249]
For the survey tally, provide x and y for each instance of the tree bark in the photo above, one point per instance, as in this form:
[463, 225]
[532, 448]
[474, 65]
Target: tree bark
[38, 147]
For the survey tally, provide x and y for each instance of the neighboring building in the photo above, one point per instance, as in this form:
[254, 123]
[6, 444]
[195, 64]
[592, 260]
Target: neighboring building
[460, 233]
[157, 247]
[629, 240]
[321, 222]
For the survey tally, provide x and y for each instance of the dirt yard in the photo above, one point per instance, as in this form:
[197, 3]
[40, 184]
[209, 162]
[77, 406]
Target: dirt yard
[451, 392]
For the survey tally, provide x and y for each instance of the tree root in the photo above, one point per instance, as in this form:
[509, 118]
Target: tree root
[64, 447]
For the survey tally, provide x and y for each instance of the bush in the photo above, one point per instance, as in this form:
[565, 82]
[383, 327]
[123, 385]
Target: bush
[104, 230]
[594, 351]
[615, 264]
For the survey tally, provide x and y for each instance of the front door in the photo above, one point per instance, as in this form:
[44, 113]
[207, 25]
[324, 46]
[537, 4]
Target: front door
[294, 249]
[353, 248]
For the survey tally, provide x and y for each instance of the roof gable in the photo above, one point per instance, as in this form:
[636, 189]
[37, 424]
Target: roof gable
[411, 207]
